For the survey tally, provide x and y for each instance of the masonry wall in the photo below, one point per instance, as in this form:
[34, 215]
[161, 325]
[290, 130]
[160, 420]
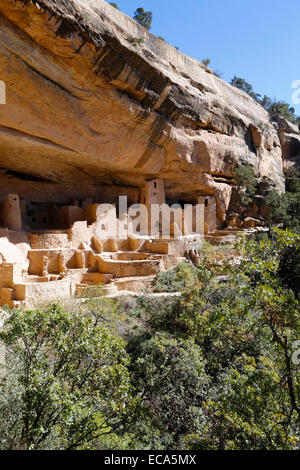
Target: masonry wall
[110, 194]
[11, 212]
[210, 213]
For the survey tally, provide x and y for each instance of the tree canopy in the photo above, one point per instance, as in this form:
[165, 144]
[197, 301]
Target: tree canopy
[144, 18]
[66, 380]
[274, 107]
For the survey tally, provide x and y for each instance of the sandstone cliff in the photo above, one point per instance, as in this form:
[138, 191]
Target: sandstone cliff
[290, 143]
[88, 106]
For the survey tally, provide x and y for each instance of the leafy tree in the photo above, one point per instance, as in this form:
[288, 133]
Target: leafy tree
[246, 329]
[293, 207]
[144, 18]
[172, 280]
[284, 209]
[274, 107]
[246, 179]
[206, 62]
[293, 185]
[169, 374]
[66, 381]
[115, 5]
[281, 108]
[289, 267]
[245, 86]
[266, 102]
[246, 182]
[277, 210]
[212, 369]
[221, 357]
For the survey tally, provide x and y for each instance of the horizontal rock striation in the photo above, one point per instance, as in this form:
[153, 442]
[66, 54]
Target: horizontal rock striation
[93, 99]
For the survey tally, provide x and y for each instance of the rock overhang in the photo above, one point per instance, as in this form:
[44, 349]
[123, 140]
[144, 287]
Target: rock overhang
[86, 104]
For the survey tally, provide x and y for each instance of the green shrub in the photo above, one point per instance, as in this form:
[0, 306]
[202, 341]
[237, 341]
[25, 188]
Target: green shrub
[284, 209]
[144, 18]
[274, 107]
[113, 4]
[246, 182]
[172, 280]
[135, 41]
[66, 380]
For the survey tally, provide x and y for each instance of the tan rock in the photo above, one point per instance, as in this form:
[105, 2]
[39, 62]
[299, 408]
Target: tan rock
[290, 142]
[234, 220]
[249, 222]
[89, 117]
[85, 110]
[97, 245]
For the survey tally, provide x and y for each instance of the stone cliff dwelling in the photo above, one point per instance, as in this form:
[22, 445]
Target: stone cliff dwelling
[51, 251]
[90, 117]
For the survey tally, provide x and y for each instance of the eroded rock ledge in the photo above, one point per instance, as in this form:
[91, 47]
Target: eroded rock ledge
[86, 108]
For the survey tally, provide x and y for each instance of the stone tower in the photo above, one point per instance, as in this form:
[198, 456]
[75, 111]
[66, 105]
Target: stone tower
[11, 212]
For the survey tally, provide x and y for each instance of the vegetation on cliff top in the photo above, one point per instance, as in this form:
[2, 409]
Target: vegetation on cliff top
[274, 107]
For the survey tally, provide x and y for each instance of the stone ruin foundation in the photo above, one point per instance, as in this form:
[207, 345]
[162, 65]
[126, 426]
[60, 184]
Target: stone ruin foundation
[53, 251]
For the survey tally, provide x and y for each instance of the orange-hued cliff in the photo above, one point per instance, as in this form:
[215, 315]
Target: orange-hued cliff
[86, 107]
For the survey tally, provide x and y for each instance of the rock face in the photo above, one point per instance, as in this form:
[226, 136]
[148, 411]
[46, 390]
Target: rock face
[290, 143]
[93, 107]
[89, 106]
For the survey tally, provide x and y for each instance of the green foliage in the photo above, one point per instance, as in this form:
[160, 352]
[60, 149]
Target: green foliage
[247, 327]
[281, 108]
[289, 267]
[169, 374]
[206, 62]
[214, 368]
[113, 4]
[293, 185]
[166, 282]
[274, 107]
[172, 280]
[135, 41]
[210, 369]
[245, 178]
[66, 380]
[246, 181]
[144, 18]
[244, 86]
[277, 210]
[284, 209]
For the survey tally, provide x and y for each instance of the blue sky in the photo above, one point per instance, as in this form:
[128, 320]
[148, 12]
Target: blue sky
[258, 40]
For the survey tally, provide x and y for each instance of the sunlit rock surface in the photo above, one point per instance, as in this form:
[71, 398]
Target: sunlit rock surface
[87, 107]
